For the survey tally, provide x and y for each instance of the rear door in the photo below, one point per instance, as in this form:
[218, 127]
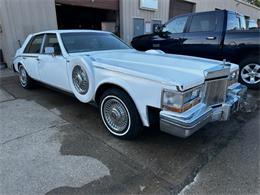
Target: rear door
[204, 35]
[31, 56]
[235, 39]
[170, 40]
[53, 68]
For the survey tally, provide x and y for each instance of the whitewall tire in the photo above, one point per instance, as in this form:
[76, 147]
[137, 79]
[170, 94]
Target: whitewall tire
[119, 114]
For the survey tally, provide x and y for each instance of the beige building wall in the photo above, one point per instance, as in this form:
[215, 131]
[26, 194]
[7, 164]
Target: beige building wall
[130, 9]
[1, 40]
[1, 33]
[239, 6]
[22, 17]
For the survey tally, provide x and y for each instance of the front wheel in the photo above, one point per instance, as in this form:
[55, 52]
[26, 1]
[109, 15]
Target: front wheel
[119, 114]
[250, 72]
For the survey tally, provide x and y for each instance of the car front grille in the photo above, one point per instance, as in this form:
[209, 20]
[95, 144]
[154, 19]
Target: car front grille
[215, 92]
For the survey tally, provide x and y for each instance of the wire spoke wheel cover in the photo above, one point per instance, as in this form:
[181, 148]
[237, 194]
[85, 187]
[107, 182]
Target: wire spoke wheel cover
[80, 80]
[23, 76]
[251, 73]
[115, 115]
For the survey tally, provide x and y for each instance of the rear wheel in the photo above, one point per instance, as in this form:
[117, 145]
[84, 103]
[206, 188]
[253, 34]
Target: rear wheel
[119, 114]
[250, 72]
[25, 80]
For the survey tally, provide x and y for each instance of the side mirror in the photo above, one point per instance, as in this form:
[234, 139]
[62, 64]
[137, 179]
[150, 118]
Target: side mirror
[157, 28]
[49, 50]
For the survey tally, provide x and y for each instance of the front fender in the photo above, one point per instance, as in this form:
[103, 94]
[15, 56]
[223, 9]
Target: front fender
[141, 107]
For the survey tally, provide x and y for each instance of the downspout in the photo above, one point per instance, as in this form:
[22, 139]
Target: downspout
[2, 63]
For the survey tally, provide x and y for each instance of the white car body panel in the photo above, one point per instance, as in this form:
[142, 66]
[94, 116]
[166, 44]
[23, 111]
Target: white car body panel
[142, 75]
[58, 76]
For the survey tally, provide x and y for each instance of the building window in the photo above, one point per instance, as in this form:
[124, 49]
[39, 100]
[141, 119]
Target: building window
[149, 4]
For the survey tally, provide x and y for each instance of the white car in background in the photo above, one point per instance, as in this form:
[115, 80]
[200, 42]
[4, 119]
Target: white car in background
[132, 88]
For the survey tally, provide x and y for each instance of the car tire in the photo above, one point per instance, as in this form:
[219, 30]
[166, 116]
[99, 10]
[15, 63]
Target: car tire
[249, 74]
[25, 80]
[119, 114]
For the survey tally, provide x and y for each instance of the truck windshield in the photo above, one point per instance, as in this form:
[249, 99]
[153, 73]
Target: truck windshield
[88, 41]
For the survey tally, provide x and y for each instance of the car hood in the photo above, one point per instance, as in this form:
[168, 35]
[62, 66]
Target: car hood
[145, 36]
[178, 70]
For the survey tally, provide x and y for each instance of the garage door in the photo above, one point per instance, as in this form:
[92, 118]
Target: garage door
[178, 7]
[100, 4]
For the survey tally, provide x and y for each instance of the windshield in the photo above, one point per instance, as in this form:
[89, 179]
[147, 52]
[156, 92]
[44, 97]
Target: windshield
[88, 41]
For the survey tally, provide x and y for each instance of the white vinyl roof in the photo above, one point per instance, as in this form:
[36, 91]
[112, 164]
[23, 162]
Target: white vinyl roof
[71, 31]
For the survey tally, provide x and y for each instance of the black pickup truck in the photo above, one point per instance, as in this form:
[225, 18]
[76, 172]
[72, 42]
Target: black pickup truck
[217, 35]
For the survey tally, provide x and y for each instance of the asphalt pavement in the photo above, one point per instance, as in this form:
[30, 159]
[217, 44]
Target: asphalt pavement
[50, 143]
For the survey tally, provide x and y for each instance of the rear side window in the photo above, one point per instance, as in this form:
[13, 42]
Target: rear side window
[233, 22]
[34, 46]
[203, 23]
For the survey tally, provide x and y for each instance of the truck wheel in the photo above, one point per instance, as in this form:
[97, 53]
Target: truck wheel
[250, 72]
[119, 114]
[25, 80]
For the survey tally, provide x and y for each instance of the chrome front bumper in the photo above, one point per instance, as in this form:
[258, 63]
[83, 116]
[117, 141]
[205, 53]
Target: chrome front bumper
[185, 124]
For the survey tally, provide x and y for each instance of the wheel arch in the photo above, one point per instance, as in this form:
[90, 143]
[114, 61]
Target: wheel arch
[18, 65]
[122, 85]
[246, 53]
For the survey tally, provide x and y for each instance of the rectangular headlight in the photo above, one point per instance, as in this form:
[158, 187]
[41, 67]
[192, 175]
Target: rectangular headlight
[180, 101]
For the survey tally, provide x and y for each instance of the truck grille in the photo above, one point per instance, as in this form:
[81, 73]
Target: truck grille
[215, 91]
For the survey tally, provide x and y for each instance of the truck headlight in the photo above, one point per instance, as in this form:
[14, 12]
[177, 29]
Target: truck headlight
[180, 101]
[233, 77]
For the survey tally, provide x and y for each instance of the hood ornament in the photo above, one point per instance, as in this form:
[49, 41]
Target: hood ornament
[225, 63]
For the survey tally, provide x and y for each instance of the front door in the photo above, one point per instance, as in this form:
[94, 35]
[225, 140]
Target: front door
[203, 36]
[53, 67]
[170, 39]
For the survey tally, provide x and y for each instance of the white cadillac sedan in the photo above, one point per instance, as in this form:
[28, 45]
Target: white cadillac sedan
[178, 94]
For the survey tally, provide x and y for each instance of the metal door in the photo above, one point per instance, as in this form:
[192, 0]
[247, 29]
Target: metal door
[138, 26]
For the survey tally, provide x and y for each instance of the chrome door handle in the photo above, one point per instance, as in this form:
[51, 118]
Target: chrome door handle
[211, 38]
